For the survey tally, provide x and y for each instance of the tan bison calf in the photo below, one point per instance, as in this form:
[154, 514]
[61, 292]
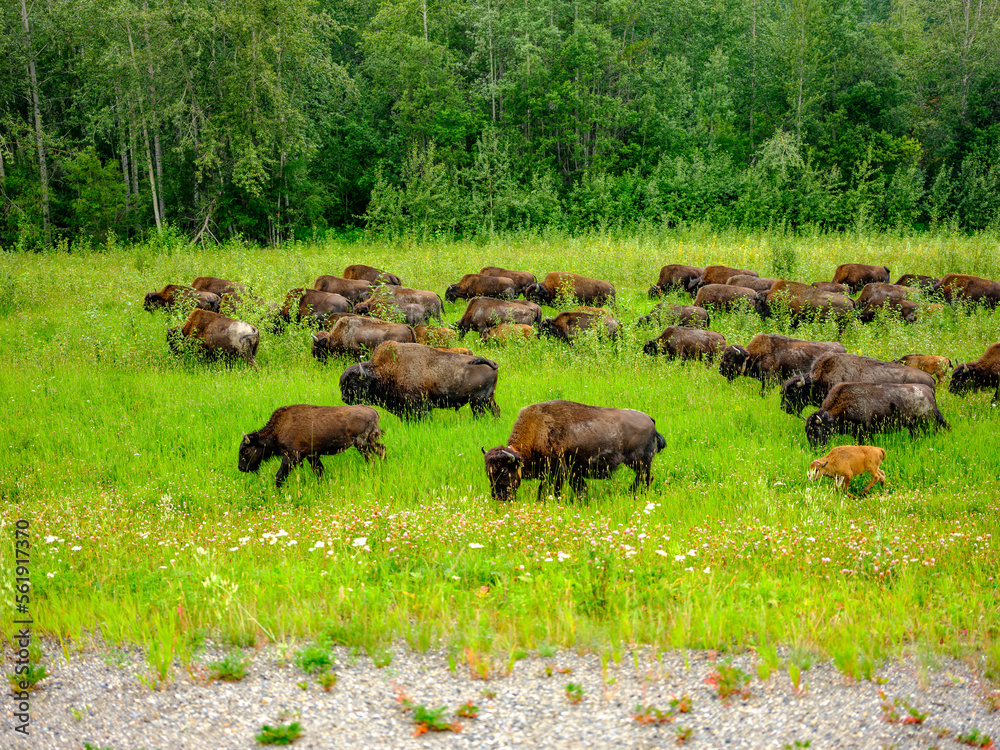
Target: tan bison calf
[934, 365]
[508, 332]
[845, 462]
[307, 432]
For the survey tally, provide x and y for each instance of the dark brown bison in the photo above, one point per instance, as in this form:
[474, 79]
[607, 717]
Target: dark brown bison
[307, 432]
[934, 365]
[856, 275]
[686, 343]
[805, 301]
[903, 308]
[387, 308]
[674, 277]
[217, 336]
[411, 379]
[716, 275]
[434, 335]
[679, 315]
[757, 283]
[480, 285]
[522, 279]
[358, 336]
[566, 326]
[918, 281]
[829, 286]
[508, 332]
[724, 297]
[484, 312]
[983, 373]
[557, 441]
[810, 389]
[221, 287]
[301, 304]
[585, 291]
[355, 290]
[361, 272]
[877, 295]
[173, 294]
[960, 287]
[771, 358]
[430, 301]
[864, 409]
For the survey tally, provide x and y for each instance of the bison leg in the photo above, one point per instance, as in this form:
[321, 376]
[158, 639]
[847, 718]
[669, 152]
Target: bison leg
[643, 473]
[481, 406]
[371, 448]
[316, 464]
[287, 464]
[877, 476]
[579, 485]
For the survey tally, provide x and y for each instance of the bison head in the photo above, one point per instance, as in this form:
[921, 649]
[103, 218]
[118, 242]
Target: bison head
[819, 426]
[504, 466]
[538, 294]
[963, 379]
[252, 452]
[761, 305]
[451, 293]
[321, 345]
[813, 473]
[693, 285]
[795, 393]
[356, 383]
[733, 362]
[153, 301]
[652, 347]
[655, 292]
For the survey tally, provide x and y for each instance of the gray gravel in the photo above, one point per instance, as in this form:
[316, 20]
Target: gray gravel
[97, 698]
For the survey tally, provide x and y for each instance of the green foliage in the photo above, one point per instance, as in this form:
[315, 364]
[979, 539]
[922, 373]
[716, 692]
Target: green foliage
[313, 659]
[280, 734]
[232, 667]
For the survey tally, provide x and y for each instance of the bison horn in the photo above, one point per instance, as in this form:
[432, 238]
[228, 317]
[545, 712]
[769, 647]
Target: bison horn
[482, 449]
[315, 337]
[510, 455]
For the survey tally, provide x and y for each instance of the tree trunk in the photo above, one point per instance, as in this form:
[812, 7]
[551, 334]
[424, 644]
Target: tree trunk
[42, 164]
[154, 106]
[145, 137]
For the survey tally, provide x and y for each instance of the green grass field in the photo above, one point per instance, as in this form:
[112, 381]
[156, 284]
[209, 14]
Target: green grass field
[123, 459]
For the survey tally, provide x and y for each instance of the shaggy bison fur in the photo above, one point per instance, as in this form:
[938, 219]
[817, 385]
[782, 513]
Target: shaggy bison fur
[981, 374]
[586, 291]
[686, 343]
[217, 336]
[357, 336]
[484, 312]
[771, 358]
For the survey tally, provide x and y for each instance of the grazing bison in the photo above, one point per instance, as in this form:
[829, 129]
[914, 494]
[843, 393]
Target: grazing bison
[771, 358]
[173, 294]
[217, 336]
[301, 304]
[863, 409]
[360, 272]
[389, 309]
[221, 287]
[566, 326]
[804, 301]
[480, 285]
[981, 374]
[686, 343]
[508, 332]
[559, 440]
[956, 287]
[357, 336]
[829, 286]
[725, 297]
[877, 295]
[522, 279]
[307, 432]
[931, 364]
[716, 275]
[674, 276]
[856, 275]
[845, 462]
[434, 336]
[830, 369]
[430, 301]
[680, 315]
[411, 379]
[585, 291]
[757, 283]
[918, 281]
[355, 290]
[483, 312]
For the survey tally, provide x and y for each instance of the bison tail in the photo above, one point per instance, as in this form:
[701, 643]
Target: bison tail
[484, 361]
[661, 443]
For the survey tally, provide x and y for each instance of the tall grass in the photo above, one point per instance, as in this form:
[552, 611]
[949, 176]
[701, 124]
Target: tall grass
[118, 448]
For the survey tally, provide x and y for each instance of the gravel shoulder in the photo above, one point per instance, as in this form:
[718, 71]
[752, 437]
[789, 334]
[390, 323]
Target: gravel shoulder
[97, 698]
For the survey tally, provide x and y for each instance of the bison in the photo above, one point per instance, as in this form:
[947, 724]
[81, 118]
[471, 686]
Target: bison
[221, 287]
[931, 364]
[480, 285]
[173, 294]
[360, 272]
[557, 441]
[389, 309]
[725, 297]
[863, 409]
[307, 432]
[716, 275]
[585, 291]
[430, 301]
[981, 374]
[771, 358]
[355, 290]
[434, 335]
[845, 462]
[830, 369]
[508, 332]
[757, 283]
[411, 379]
[217, 336]
[357, 336]
[313, 304]
[804, 301]
[856, 275]
[918, 281]
[567, 325]
[829, 286]
[877, 295]
[686, 343]
[483, 312]
[522, 279]
[674, 276]
[680, 315]
[956, 287]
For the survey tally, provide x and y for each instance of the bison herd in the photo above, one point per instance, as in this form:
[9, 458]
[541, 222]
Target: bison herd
[412, 365]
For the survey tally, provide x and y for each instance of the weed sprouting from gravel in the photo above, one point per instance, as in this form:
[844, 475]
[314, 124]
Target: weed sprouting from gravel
[281, 734]
[975, 738]
[574, 692]
[327, 680]
[683, 734]
[649, 714]
[433, 720]
[899, 711]
[728, 681]
[467, 710]
[313, 659]
[232, 667]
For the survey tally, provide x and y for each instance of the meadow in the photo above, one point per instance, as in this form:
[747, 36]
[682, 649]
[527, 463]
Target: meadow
[123, 459]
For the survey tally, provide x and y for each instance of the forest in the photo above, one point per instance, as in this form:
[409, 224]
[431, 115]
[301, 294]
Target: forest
[270, 120]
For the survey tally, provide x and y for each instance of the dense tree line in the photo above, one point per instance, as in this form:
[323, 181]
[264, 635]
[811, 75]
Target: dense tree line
[272, 118]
